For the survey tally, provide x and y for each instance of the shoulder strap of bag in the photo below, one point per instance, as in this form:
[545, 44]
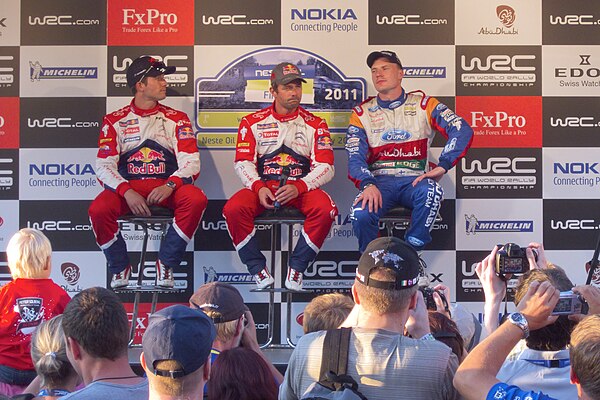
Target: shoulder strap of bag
[335, 355]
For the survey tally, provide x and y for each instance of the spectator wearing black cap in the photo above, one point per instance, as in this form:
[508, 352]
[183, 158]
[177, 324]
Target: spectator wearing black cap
[385, 363]
[234, 323]
[176, 352]
[147, 156]
[387, 144]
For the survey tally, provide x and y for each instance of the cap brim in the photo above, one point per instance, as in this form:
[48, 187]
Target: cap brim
[290, 78]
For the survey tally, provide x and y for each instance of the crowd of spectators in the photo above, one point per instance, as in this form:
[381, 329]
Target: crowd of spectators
[52, 346]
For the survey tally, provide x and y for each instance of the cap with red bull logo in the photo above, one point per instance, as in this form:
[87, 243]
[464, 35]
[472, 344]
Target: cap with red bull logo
[285, 73]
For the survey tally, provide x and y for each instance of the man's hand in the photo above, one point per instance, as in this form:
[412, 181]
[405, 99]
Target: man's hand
[158, 194]
[249, 338]
[370, 196]
[493, 287]
[591, 294]
[266, 198]
[136, 203]
[417, 324]
[538, 303]
[542, 262]
[445, 290]
[286, 193]
[435, 174]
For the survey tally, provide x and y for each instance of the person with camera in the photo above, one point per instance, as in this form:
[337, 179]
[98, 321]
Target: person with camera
[385, 363]
[541, 361]
[476, 377]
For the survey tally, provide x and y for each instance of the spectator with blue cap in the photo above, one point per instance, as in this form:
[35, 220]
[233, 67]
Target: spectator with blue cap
[176, 350]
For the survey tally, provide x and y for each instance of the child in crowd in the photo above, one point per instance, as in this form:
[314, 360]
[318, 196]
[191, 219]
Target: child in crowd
[31, 298]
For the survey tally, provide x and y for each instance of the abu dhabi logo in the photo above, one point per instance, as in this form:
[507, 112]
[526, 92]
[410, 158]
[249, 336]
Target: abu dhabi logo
[473, 225]
[38, 72]
[70, 272]
[211, 275]
[506, 15]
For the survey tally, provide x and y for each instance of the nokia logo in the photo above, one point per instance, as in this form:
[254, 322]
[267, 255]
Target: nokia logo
[150, 16]
[573, 19]
[60, 123]
[414, 19]
[499, 119]
[500, 165]
[235, 20]
[61, 169]
[58, 226]
[574, 122]
[64, 20]
[2, 22]
[574, 224]
[576, 168]
[323, 14]
[168, 60]
[498, 63]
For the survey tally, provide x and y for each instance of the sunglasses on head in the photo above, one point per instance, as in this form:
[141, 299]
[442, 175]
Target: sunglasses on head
[157, 65]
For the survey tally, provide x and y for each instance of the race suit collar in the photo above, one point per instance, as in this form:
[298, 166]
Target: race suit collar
[392, 103]
[144, 113]
[286, 117]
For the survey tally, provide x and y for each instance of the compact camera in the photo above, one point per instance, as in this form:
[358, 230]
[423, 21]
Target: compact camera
[512, 259]
[428, 297]
[570, 303]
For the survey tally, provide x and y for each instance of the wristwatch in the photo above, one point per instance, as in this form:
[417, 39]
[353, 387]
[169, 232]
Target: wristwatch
[519, 320]
[171, 184]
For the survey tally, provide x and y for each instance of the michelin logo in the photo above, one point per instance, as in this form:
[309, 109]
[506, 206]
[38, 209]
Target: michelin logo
[211, 275]
[38, 72]
[473, 225]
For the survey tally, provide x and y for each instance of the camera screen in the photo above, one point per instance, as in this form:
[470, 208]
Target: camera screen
[563, 305]
[513, 265]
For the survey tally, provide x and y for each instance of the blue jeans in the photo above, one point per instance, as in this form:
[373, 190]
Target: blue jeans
[424, 199]
[16, 376]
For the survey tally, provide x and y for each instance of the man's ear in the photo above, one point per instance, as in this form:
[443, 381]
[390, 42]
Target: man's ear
[413, 301]
[206, 369]
[355, 294]
[74, 347]
[574, 378]
[143, 361]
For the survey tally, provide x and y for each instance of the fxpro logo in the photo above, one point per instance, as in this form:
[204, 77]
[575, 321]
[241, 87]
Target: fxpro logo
[178, 78]
[2, 121]
[62, 226]
[574, 224]
[574, 122]
[424, 72]
[38, 72]
[319, 14]
[499, 119]
[64, 122]
[149, 16]
[574, 19]
[499, 173]
[238, 19]
[584, 70]
[238, 278]
[473, 225]
[408, 19]
[498, 70]
[62, 20]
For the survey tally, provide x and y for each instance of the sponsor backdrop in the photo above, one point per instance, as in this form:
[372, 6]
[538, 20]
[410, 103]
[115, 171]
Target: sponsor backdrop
[525, 74]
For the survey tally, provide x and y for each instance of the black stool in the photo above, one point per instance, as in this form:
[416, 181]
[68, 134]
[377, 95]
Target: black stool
[160, 220]
[399, 218]
[275, 218]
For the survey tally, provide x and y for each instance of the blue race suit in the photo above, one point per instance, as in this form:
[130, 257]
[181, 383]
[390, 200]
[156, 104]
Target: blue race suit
[387, 144]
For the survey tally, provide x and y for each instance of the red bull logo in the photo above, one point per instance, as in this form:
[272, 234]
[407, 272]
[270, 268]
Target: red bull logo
[186, 133]
[146, 155]
[282, 159]
[290, 69]
[129, 122]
